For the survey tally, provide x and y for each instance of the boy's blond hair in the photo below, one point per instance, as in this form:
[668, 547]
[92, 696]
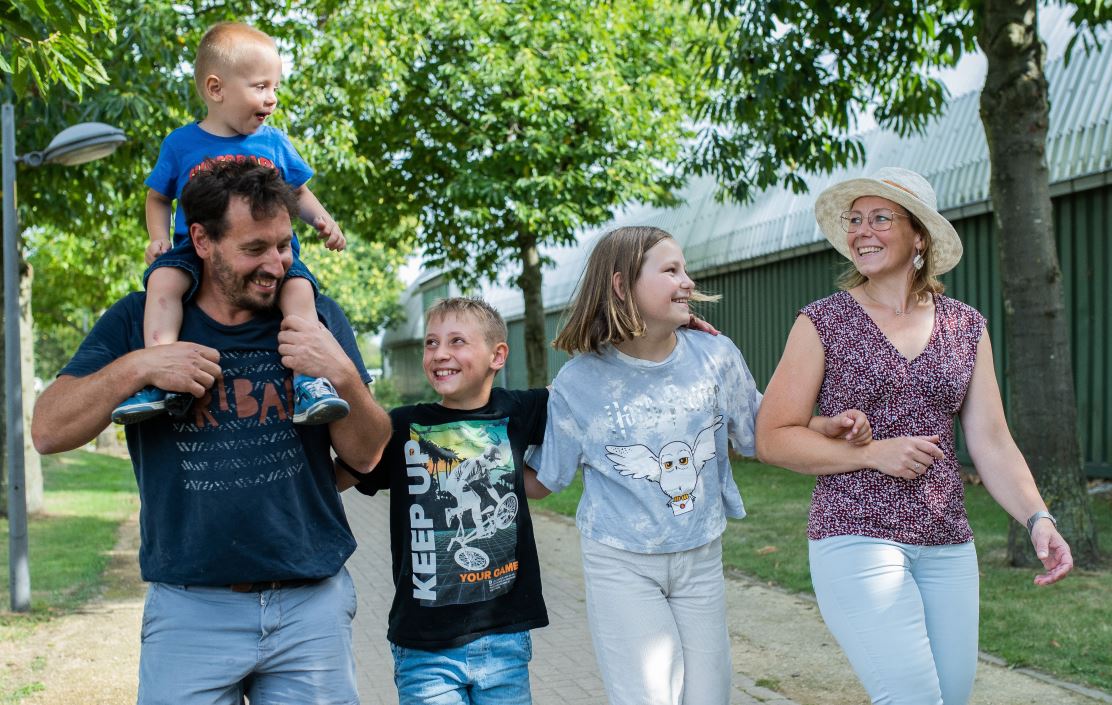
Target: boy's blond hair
[597, 315]
[489, 320]
[221, 48]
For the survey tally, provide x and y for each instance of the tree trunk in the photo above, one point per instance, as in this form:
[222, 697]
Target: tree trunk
[32, 463]
[530, 282]
[1043, 411]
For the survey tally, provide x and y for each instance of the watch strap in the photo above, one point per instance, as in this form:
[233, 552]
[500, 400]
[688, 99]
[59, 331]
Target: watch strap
[1040, 515]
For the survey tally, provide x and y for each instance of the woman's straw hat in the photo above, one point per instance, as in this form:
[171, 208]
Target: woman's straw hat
[901, 186]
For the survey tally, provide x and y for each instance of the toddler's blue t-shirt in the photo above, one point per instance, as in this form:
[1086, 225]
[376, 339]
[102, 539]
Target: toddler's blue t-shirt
[188, 147]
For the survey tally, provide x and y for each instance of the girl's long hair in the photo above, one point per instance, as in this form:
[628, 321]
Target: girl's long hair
[597, 315]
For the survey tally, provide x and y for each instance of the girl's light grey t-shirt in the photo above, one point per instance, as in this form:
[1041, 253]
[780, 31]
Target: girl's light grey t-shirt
[651, 438]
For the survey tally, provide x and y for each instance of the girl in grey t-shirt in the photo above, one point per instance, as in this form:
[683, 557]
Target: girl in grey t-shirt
[646, 408]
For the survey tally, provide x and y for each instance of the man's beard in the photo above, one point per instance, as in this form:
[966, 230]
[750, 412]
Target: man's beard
[235, 288]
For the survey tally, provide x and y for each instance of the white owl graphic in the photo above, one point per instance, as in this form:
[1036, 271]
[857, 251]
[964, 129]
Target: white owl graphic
[676, 468]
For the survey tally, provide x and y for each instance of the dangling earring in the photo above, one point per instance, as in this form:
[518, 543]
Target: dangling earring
[917, 261]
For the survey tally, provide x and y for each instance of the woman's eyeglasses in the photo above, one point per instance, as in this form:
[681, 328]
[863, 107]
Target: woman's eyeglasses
[880, 219]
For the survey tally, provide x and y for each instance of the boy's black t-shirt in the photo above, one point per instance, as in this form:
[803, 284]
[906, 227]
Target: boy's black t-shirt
[464, 556]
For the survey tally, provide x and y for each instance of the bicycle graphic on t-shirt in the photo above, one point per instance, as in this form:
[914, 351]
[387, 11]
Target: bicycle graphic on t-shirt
[467, 483]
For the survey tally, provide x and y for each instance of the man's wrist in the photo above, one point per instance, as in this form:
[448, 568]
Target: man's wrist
[131, 374]
[348, 380]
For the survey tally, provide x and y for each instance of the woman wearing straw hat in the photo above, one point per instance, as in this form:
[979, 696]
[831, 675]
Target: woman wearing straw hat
[891, 552]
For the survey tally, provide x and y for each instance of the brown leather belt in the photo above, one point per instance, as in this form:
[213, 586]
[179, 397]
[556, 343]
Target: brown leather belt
[273, 584]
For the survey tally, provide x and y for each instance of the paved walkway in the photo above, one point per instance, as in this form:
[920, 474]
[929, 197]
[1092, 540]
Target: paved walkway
[778, 639]
[563, 671]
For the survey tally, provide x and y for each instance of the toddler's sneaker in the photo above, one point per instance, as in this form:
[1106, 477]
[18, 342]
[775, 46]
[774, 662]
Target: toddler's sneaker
[178, 404]
[316, 401]
[151, 401]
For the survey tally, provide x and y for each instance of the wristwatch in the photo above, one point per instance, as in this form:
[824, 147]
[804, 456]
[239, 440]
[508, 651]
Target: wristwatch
[1040, 515]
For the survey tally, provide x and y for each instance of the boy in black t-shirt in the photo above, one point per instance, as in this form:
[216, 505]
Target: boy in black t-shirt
[467, 583]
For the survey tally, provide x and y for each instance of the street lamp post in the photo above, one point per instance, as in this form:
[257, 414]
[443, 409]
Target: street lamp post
[73, 145]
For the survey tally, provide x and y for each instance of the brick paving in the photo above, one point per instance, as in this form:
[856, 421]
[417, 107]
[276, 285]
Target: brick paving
[563, 671]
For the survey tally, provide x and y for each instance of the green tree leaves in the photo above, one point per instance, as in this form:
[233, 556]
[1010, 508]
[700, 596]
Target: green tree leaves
[792, 80]
[502, 126]
[52, 43]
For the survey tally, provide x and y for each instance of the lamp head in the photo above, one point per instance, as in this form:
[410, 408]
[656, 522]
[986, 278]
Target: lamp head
[81, 143]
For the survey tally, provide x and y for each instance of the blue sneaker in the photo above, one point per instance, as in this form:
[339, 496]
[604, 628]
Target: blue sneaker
[147, 402]
[151, 401]
[316, 401]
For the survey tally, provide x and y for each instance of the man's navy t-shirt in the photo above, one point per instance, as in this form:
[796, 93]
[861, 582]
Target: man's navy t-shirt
[235, 492]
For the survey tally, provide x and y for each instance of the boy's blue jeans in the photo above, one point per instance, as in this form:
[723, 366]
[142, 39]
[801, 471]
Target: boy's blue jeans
[492, 670]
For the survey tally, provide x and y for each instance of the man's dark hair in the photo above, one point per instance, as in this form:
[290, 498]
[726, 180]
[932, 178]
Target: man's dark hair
[205, 198]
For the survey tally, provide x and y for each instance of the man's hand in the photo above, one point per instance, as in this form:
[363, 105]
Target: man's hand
[156, 248]
[73, 410]
[186, 367]
[310, 349]
[330, 232]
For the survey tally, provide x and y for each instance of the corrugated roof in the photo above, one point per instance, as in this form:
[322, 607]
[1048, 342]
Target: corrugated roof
[951, 153]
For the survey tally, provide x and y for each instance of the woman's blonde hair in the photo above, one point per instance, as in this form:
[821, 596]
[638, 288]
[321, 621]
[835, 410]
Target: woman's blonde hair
[923, 283]
[597, 315]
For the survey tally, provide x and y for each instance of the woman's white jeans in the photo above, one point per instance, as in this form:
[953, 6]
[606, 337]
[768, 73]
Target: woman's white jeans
[905, 615]
[658, 624]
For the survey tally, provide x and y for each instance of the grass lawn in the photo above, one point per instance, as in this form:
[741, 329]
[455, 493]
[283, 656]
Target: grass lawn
[1065, 629]
[87, 496]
